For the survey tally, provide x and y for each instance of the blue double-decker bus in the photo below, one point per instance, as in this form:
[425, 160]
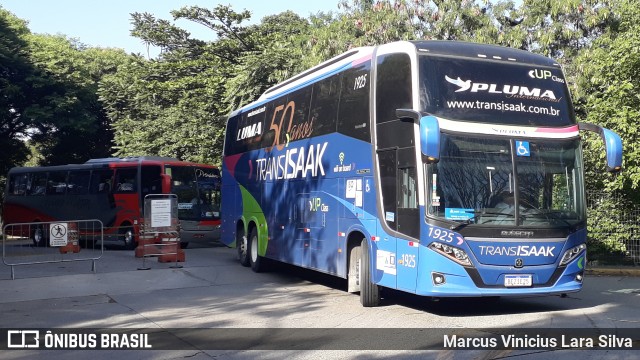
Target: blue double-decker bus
[433, 167]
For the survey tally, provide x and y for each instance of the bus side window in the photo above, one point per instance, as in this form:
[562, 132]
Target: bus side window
[18, 184]
[324, 105]
[38, 184]
[57, 183]
[78, 182]
[126, 180]
[100, 182]
[353, 111]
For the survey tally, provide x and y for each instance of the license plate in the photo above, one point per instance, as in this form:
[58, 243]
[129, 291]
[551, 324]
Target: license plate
[517, 280]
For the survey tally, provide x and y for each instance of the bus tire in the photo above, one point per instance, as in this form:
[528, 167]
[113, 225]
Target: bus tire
[38, 236]
[257, 261]
[129, 237]
[353, 277]
[242, 245]
[369, 292]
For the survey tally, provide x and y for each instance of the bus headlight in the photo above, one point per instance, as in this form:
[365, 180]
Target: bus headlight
[572, 253]
[452, 252]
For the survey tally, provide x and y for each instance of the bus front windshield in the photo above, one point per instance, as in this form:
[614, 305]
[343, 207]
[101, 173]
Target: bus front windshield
[209, 192]
[198, 192]
[507, 182]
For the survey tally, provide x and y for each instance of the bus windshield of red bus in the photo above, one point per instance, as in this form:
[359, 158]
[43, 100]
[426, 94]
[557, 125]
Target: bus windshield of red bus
[198, 191]
[496, 92]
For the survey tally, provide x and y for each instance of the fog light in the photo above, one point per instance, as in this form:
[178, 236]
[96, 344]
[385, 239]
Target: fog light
[579, 278]
[438, 279]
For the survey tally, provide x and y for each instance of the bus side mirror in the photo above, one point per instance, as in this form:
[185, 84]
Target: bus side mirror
[429, 133]
[430, 139]
[166, 183]
[612, 145]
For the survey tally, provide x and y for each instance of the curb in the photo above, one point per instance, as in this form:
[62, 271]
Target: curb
[613, 271]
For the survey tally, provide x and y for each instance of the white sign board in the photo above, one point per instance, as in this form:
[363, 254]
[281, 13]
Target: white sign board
[160, 213]
[58, 234]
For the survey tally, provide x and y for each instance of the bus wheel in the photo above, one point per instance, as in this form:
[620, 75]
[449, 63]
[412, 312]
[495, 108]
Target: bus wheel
[353, 278]
[38, 236]
[242, 246]
[369, 292]
[126, 233]
[257, 261]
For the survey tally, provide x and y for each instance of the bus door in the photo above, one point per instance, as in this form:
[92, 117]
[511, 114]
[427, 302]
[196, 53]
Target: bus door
[280, 221]
[408, 223]
[306, 220]
[397, 163]
[397, 252]
[385, 247]
[150, 181]
[319, 228]
[125, 192]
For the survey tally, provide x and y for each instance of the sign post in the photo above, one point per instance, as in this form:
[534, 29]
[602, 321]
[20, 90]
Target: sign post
[159, 235]
[58, 233]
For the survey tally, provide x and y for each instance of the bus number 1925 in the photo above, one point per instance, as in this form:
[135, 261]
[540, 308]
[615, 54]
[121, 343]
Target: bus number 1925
[361, 81]
[442, 235]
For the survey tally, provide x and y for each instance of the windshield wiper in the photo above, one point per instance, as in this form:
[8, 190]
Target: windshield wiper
[476, 214]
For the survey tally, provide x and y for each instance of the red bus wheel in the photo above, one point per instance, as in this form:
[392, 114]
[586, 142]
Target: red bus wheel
[127, 234]
[38, 236]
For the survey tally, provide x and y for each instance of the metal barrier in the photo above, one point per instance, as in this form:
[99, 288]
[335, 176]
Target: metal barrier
[165, 246]
[52, 242]
[159, 233]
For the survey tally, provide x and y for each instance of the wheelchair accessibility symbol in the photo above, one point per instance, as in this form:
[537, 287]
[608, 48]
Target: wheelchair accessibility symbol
[522, 148]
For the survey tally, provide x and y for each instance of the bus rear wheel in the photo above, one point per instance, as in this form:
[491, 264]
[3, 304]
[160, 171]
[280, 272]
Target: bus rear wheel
[127, 234]
[369, 291]
[38, 236]
[242, 246]
[257, 261]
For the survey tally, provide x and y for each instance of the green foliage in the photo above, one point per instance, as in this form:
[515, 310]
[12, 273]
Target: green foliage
[49, 92]
[68, 109]
[605, 228]
[278, 54]
[609, 95]
[16, 74]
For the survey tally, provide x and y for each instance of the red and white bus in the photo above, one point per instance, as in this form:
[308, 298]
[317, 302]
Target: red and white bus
[112, 190]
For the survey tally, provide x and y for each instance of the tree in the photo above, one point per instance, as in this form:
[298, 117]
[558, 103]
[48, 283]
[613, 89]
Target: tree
[15, 74]
[177, 105]
[278, 54]
[49, 88]
[68, 107]
[609, 93]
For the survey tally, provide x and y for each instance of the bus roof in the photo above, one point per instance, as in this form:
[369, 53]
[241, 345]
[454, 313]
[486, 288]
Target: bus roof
[106, 162]
[482, 51]
[130, 159]
[334, 65]
[435, 47]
